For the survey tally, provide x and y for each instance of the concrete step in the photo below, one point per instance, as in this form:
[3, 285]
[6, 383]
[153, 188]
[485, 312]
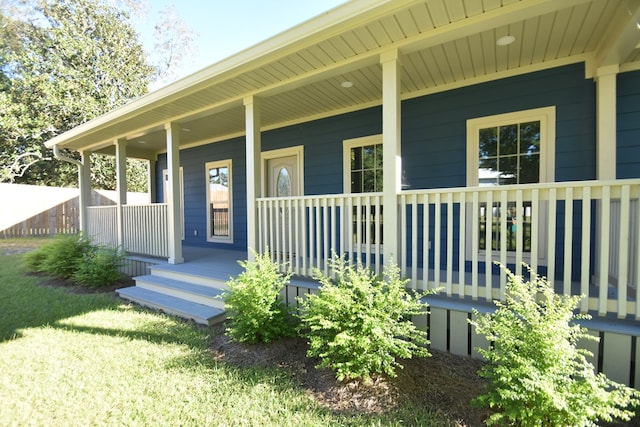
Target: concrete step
[199, 313]
[203, 279]
[206, 295]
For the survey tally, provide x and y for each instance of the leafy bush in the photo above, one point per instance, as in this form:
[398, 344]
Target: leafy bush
[59, 257]
[99, 268]
[537, 375]
[360, 323]
[255, 308]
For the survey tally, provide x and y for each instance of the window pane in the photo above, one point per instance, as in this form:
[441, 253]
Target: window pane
[530, 137]
[219, 200]
[488, 172]
[378, 186]
[488, 142]
[529, 171]
[508, 167]
[369, 181]
[368, 157]
[508, 140]
[356, 182]
[284, 183]
[378, 156]
[356, 158]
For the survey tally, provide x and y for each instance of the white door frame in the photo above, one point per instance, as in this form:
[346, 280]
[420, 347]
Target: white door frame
[265, 156]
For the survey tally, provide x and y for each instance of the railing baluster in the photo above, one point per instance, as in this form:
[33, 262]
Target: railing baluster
[603, 279]
[585, 255]
[414, 241]
[568, 240]
[449, 230]
[403, 235]
[462, 246]
[503, 242]
[436, 241]
[475, 242]
[519, 226]
[426, 241]
[623, 258]
[488, 245]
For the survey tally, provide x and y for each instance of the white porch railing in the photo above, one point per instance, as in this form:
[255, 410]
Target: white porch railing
[102, 225]
[583, 235]
[144, 228]
[304, 232]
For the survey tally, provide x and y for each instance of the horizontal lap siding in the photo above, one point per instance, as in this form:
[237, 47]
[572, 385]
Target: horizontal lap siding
[193, 161]
[628, 110]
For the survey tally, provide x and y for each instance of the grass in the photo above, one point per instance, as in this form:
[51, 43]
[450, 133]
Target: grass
[90, 359]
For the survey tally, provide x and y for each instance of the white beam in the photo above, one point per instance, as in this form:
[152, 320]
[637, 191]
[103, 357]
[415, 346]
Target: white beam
[173, 186]
[254, 170]
[391, 155]
[606, 122]
[84, 183]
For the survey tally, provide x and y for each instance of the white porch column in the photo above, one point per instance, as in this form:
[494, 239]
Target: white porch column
[84, 183]
[121, 186]
[173, 185]
[151, 181]
[391, 156]
[606, 121]
[254, 187]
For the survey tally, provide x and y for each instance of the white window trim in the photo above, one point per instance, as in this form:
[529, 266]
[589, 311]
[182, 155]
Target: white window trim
[547, 118]
[347, 145]
[217, 164]
[265, 156]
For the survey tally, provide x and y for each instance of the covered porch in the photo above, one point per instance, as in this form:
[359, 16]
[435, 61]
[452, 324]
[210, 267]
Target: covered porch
[583, 236]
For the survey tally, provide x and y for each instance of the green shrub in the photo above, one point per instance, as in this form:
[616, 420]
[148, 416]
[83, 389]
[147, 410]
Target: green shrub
[99, 268]
[59, 257]
[537, 375]
[255, 308]
[359, 323]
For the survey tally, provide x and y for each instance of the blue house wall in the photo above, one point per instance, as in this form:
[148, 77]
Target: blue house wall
[628, 110]
[433, 143]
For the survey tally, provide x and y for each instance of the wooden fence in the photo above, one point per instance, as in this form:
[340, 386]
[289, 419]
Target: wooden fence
[60, 219]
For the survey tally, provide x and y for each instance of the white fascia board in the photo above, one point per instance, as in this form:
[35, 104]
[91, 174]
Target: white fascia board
[333, 21]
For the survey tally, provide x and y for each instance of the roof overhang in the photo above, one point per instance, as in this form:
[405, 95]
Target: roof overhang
[298, 74]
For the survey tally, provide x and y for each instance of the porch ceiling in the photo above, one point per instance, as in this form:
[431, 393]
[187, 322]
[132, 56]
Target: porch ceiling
[443, 44]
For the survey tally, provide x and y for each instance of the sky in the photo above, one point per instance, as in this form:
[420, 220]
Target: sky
[226, 27]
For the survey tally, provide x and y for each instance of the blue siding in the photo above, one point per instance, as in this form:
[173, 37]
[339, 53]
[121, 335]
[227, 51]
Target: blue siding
[434, 127]
[193, 161]
[628, 110]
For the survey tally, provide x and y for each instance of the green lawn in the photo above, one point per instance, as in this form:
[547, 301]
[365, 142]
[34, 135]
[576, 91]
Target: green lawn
[90, 359]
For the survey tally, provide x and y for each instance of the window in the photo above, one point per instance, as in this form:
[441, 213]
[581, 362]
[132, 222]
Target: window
[363, 174]
[219, 202]
[512, 148]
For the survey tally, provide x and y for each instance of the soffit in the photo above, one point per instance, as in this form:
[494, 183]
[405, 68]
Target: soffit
[442, 44]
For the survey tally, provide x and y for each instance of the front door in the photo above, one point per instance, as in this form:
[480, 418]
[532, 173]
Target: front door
[282, 181]
[282, 177]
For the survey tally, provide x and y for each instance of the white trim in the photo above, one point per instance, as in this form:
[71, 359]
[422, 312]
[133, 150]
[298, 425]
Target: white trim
[347, 145]
[265, 156]
[219, 164]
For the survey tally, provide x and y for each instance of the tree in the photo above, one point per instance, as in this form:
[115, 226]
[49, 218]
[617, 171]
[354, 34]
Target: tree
[63, 63]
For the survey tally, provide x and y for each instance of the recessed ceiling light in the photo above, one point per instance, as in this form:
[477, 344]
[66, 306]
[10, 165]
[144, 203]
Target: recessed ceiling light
[142, 142]
[186, 129]
[346, 84]
[505, 40]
